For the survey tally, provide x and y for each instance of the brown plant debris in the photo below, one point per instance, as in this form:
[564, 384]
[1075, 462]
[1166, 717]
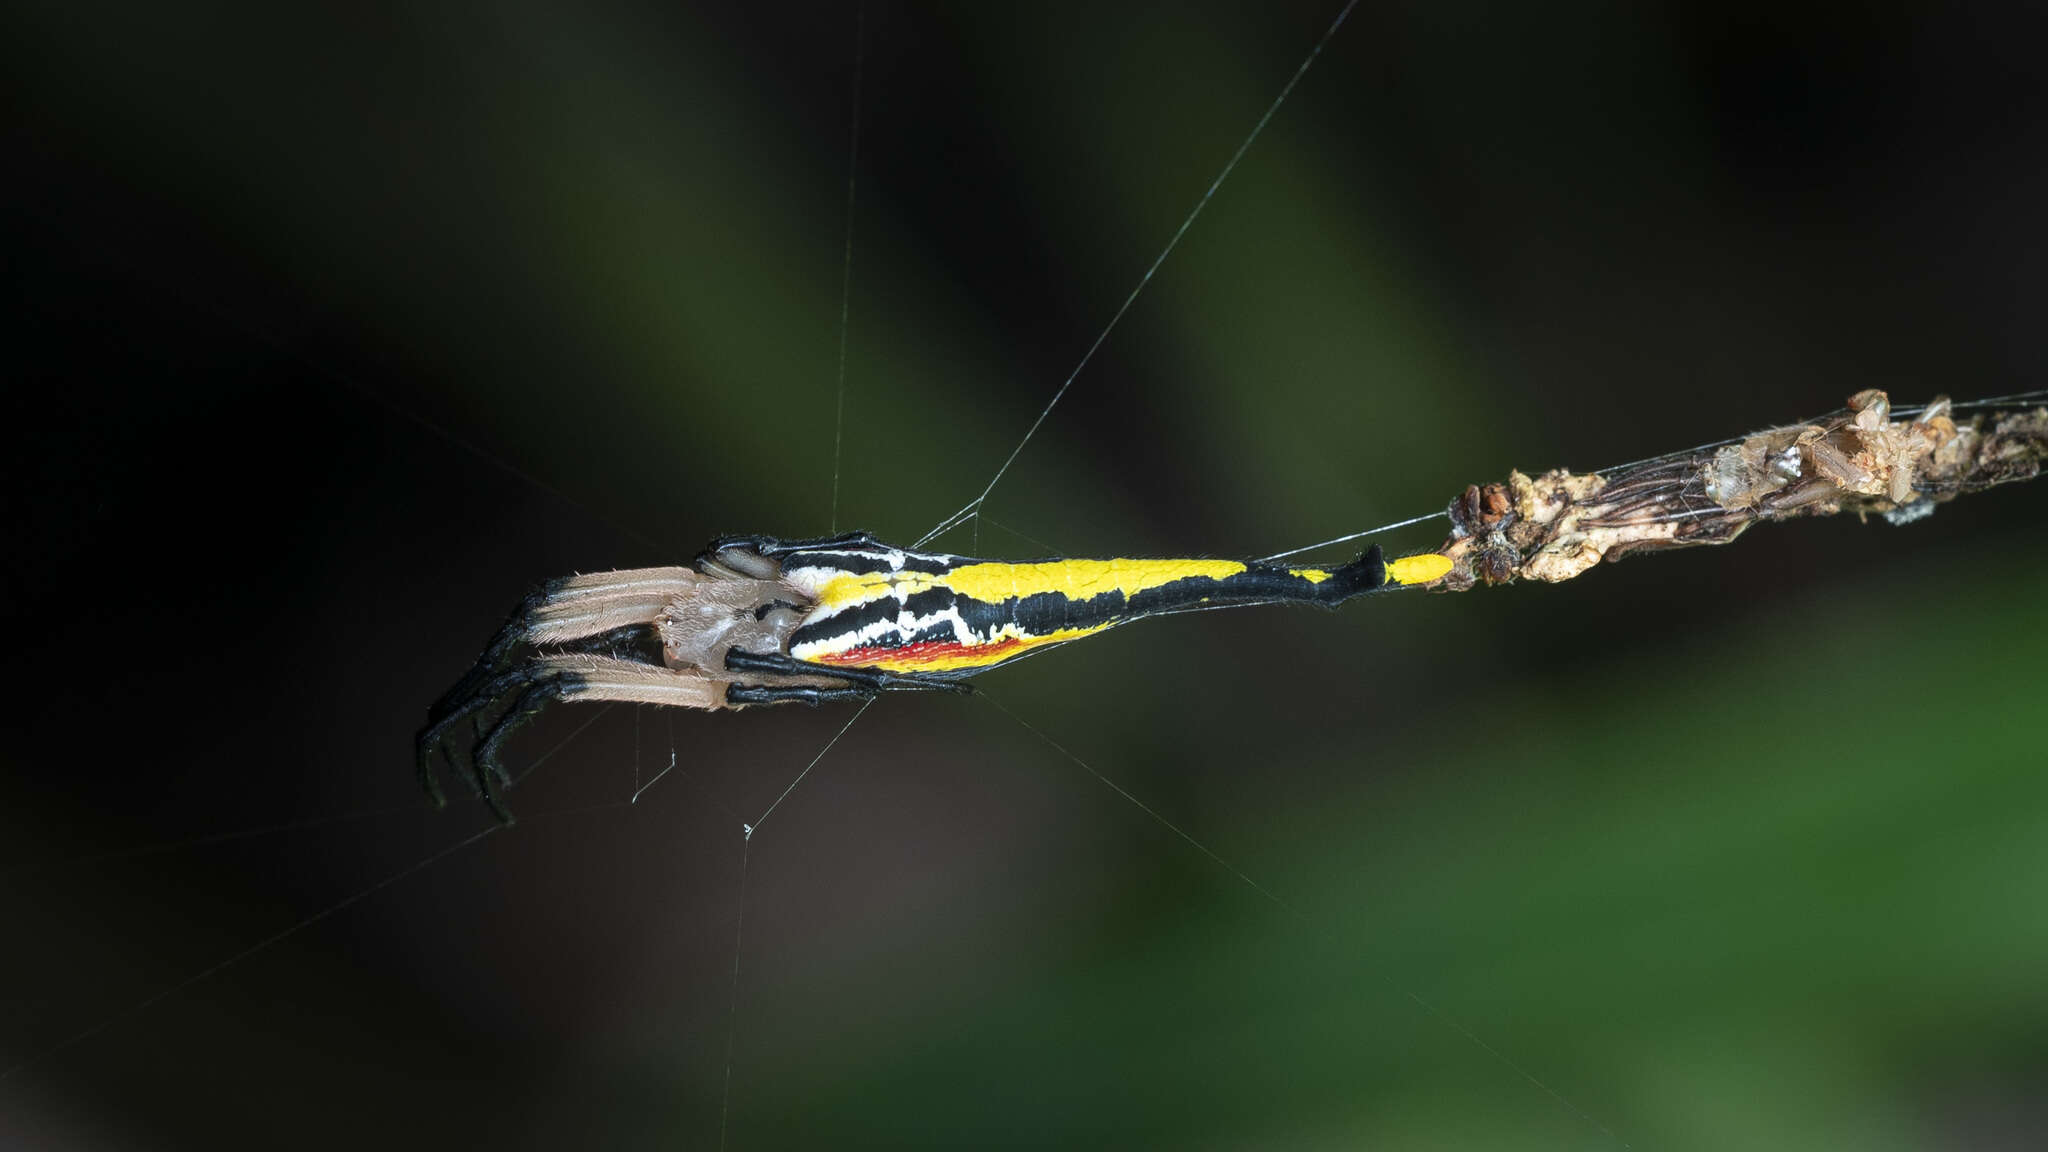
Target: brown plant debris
[1554, 526]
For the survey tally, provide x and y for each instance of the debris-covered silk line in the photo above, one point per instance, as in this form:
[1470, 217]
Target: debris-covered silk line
[1560, 524]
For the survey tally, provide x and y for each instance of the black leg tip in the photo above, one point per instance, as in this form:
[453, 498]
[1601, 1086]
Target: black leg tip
[430, 781]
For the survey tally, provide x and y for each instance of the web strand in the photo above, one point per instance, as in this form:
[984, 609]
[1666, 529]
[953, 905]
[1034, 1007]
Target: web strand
[307, 922]
[1429, 1008]
[1147, 809]
[668, 719]
[642, 788]
[276, 937]
[229, 837]
[732, 1016]
[564, 742]
[732, 1022]
[973, 506]
[748, 830]
[299, 825]
[1354, 536]
[343, 380]
[860, 24]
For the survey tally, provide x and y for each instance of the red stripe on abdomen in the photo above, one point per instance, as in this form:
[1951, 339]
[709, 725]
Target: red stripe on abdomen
[947, 653]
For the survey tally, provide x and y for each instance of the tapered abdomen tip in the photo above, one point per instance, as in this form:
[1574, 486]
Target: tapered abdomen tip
[1417, 569]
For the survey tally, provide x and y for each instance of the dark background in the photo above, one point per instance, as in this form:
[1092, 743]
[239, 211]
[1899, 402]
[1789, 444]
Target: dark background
[327, 335]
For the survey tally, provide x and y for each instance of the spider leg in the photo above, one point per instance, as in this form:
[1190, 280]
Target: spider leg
[477, 710]
[487, 770]
[571, 677]
[777, 664]
[571, 609]
[775, 549]
[433, 738]
[766, 694]
[603, 601]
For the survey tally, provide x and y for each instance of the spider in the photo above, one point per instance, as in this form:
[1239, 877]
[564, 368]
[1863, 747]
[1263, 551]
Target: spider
[764, 621]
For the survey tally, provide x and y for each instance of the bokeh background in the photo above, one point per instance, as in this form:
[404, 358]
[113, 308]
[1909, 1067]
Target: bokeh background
[328, 333]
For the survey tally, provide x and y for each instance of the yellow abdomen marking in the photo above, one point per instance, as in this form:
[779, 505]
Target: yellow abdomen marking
[993, 583]
[1417, 569]
[846, 591]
